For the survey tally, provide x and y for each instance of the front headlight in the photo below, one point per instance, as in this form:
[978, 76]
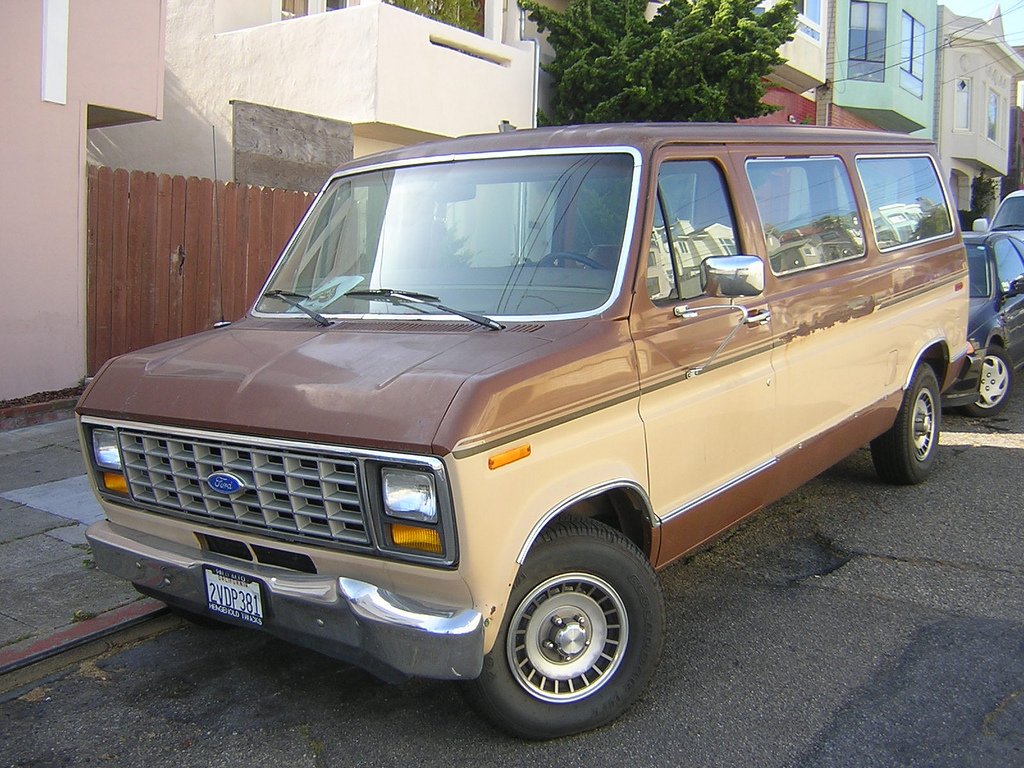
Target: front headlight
[105, 451]
[409, 495]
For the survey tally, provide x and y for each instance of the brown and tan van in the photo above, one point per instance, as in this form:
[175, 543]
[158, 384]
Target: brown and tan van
[493, 384]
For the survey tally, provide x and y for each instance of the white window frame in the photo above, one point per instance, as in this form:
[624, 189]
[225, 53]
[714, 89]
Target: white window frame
[962, 104]
[993, 115]
[808, 24]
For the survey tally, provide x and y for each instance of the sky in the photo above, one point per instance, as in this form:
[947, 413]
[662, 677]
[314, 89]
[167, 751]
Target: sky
[1013, 15]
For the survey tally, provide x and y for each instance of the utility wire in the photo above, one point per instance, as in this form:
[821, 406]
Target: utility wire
[938, 45]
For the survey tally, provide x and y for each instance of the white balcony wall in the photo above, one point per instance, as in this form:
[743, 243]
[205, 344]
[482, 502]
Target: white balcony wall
[804, 68]
[230, 15]
[398, 77]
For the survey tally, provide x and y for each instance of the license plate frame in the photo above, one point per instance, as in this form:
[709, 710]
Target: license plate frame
[234, 595]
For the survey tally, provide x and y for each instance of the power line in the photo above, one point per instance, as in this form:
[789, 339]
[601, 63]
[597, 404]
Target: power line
[938, 45]
[938, 28]
[1004, 57]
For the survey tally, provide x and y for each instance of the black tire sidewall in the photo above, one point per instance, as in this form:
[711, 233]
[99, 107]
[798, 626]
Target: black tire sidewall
[894, 453]
[609, 556]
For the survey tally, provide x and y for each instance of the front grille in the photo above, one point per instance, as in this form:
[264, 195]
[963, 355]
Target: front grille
[286, 491]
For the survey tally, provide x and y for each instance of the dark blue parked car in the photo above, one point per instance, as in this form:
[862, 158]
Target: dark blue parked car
[996, 325]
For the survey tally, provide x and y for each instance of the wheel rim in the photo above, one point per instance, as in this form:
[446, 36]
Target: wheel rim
[567, 637]
[925, 425]
[995, 379]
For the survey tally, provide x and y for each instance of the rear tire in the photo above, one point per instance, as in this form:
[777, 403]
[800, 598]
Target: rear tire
[905, 454]
[995, 385]
[581, 636]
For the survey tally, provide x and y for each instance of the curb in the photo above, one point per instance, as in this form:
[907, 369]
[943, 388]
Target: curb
[84, 632]
[19, 416]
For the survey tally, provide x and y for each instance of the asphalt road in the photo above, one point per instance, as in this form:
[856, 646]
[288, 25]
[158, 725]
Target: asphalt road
[850, 624]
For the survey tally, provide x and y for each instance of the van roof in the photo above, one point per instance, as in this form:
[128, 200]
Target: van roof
[649, 136]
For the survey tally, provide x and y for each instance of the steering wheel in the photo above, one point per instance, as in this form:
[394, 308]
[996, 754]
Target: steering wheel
[552, 260]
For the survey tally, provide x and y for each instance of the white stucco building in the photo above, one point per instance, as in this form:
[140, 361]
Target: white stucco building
[396, 77]
[977, 70]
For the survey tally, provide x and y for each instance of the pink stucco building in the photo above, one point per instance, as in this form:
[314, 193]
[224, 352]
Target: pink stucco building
[64, 67]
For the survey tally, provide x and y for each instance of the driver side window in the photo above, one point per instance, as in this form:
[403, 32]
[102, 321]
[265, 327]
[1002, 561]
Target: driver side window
[692, 220]
[1008, 263]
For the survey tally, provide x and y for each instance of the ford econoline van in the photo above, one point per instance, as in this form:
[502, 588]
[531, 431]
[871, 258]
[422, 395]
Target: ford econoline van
[495, 383]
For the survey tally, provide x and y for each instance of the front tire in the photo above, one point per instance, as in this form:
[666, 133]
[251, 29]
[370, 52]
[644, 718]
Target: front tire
[580, 639]
[905, 454]
[995, 385]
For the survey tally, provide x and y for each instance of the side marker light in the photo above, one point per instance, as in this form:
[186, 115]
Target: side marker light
[507, 457]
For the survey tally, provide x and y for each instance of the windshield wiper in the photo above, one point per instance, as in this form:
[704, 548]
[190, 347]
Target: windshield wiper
[413, 298]
[293, 299]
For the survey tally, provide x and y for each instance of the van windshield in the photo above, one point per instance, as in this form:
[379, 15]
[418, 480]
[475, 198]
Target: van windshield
[505, 236]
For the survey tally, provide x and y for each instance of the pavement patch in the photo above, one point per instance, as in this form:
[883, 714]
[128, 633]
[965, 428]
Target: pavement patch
[924, 709]
[71, 498]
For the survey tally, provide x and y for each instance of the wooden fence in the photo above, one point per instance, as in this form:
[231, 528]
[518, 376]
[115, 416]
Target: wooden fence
[170, 256]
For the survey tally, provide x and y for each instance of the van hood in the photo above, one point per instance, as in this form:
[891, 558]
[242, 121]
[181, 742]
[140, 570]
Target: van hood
[381, 385]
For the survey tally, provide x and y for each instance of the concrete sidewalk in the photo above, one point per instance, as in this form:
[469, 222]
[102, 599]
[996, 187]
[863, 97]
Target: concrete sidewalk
[51, 595]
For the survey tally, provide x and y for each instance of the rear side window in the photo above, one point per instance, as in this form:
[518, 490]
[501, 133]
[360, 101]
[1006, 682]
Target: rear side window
[977, 267]
[692, 220]
[808, 212]
[906, 199]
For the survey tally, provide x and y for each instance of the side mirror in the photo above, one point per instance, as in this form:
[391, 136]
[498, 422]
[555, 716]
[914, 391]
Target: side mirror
[730, 277]
[1016, 287]
[980, 225]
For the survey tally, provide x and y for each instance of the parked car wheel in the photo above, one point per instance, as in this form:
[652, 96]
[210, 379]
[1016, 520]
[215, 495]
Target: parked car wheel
[995, 385]
[905, 454]
[580, 639]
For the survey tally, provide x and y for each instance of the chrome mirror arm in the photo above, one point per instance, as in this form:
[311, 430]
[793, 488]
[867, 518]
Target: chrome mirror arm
[686, 311]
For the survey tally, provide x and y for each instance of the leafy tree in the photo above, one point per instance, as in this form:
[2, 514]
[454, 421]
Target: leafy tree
[701, 60]
[465, 14]
[983, 194]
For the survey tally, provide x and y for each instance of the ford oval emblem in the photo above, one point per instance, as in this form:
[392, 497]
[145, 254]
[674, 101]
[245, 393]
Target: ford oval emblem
[225, 483]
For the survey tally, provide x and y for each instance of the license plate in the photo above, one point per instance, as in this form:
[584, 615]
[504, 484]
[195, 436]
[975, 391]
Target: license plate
[232, 594]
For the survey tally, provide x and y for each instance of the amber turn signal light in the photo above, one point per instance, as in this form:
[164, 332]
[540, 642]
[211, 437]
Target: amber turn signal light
[115, 482]
[414, 537]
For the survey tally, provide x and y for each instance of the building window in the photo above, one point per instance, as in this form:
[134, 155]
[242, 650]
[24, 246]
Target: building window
[867, 41]
[292, 8]
[809, 22]
[912, 56]
[962, 104]
[992, 129]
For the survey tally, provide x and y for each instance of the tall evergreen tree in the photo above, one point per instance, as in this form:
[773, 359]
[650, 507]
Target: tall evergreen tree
[695, 60]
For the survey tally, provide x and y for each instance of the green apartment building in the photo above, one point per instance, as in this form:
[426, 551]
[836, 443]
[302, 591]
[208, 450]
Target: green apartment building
[884, 69]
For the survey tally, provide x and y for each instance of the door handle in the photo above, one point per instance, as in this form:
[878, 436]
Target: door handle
[758, 317]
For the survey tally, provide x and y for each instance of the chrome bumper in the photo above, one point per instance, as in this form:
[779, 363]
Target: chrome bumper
[389, 635]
